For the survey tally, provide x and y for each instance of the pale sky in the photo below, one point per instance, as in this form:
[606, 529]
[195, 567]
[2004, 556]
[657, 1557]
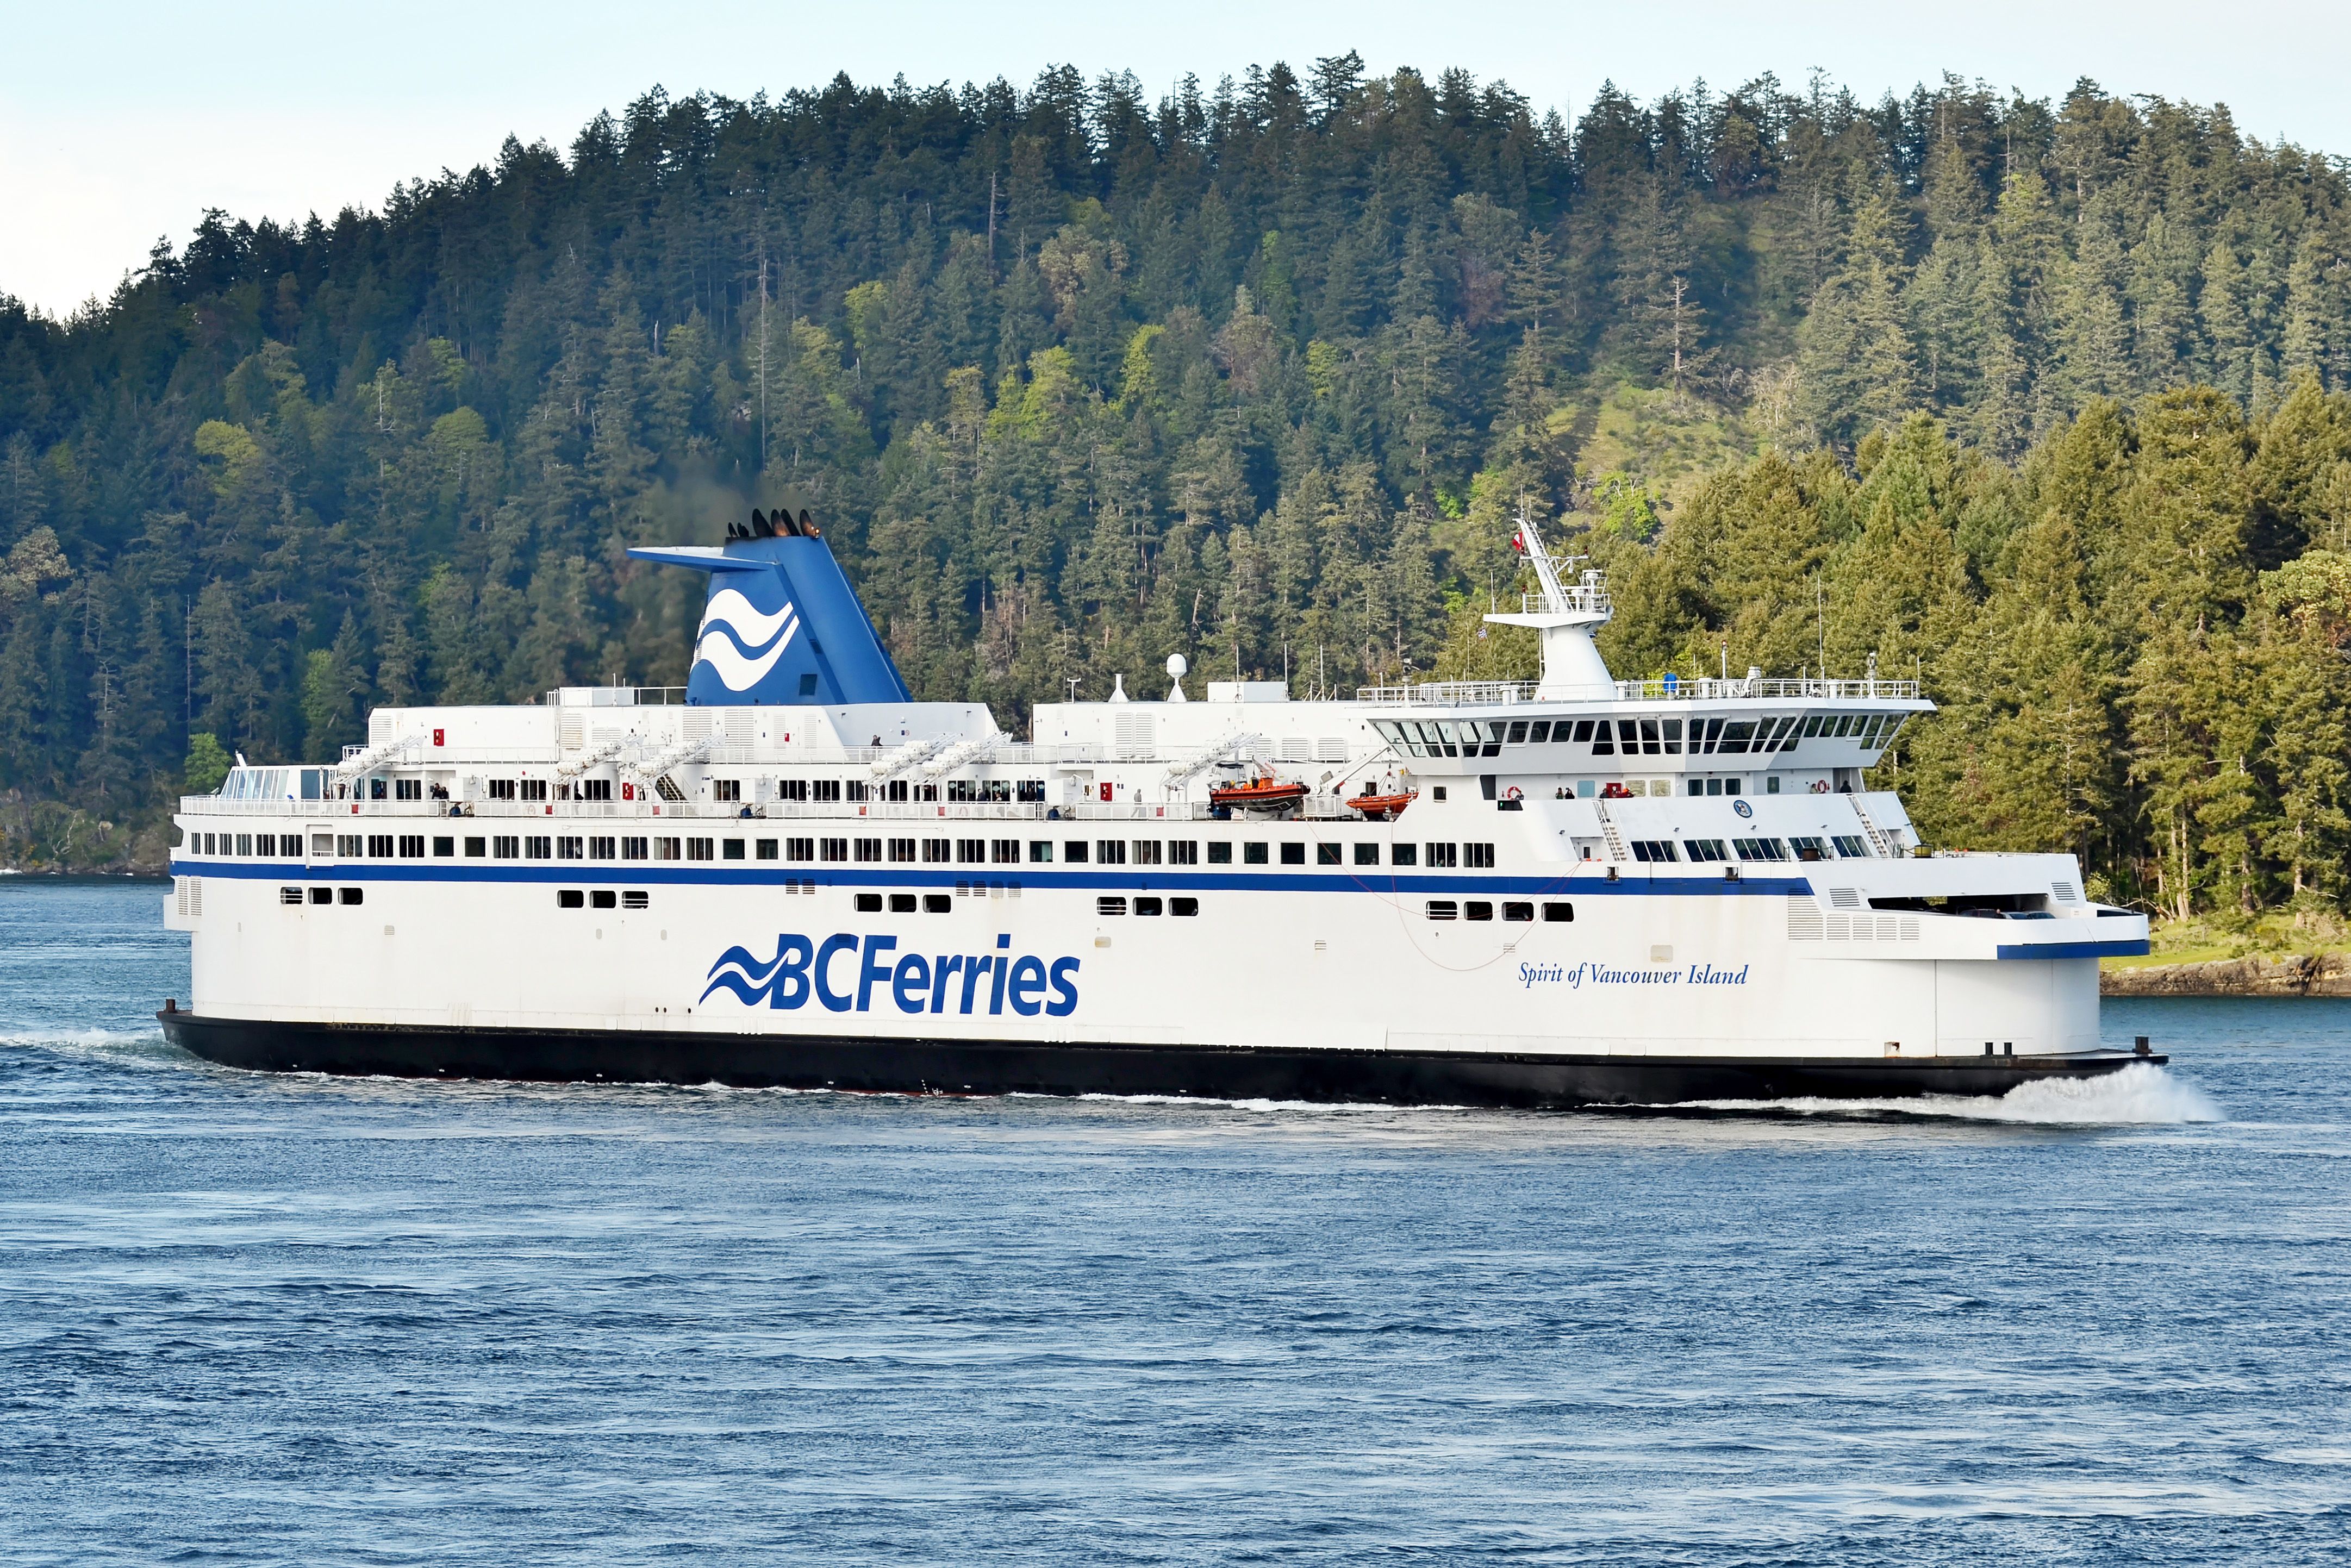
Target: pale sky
[122, 122]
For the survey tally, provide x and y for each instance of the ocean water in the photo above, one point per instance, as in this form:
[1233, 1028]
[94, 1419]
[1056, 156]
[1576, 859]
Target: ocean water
[247, 1318]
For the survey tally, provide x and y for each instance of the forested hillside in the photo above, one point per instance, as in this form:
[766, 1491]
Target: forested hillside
[2034, 400]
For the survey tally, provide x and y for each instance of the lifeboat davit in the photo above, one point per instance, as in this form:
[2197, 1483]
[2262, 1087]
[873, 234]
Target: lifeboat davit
[1258, 795]
[1382, 808]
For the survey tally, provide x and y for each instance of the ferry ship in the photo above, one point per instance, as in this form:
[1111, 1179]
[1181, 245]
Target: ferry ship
[1572, 891]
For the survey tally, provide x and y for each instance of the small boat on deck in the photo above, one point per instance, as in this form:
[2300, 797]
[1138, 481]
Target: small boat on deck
[1258, 795]
[1382, 807]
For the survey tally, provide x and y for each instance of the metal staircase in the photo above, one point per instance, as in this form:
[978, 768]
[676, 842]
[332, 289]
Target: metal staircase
[1616, 850]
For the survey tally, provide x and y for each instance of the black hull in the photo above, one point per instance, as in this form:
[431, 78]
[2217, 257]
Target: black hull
[880, 1065]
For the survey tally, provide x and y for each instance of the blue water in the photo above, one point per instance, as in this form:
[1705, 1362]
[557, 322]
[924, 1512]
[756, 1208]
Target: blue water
[247, 1319]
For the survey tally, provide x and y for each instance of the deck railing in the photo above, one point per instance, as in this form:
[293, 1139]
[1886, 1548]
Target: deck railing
[1325, 808]
[1668, 688]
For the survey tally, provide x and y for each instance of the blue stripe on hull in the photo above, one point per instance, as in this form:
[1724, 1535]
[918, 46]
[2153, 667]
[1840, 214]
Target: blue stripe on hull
[2071, 949]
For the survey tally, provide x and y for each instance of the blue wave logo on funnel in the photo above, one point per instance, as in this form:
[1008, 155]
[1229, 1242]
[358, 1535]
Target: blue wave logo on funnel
[780, 625]
[739, 643]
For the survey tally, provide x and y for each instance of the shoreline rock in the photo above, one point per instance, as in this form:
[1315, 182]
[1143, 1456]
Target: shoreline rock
[2296, 975]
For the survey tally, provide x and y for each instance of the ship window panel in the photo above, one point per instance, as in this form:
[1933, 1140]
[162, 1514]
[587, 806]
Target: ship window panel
[869, 903]
[603, 899]
[1809, 727]
[1697, 786]
[408, 788]
[1443, 909]
[264, 846]
[1653, 851]
[792, 790]
[937, 852]
[799, 849]
[1003, 852]
[1713, 733]
[571, 898]
[534, 789]
[637, 849]
[1404, 854]
[1110, 905]
[1075, 851]
[1183, 852]
[1367, 854]
[1253, 854]
[349, 895]
[1147, 906]
[1476, 909]
[869, 851]
[767, 849]
[902, 852]
[1478, 857]
[901, 903]
[244, 843]
[701, 849]
[444, 847]
[1185, 908]
[937, 902]
[599, 848]
[635, 900]
[1736, 733]
[322, 895]
[1518, 734]
[379, 846]
[1583, 731]
[500, 789]
[1445, 857]
[1603, 738]
[1146, 852]
[1808, 849]
[290, 895]
[1649, 742]
[1893, 723]
[726, 789]
[668, 850]
[1293, 854]
[479, 848]
[1559, 914]
[1788, 735]
[825, 791]
[1850, 846]
[1869, 738]
[1040, 852]
[1110, 851]
[1730, 786]
[375, 788]
[537, 849]
[1672, 728]
[1844, 727]
[1329, 855]
[732, 849]
[1703, 852]
[833, 851]
[1519, 912]
[412, 846]
[506, 846]
[1539, 732]
[1628, 737]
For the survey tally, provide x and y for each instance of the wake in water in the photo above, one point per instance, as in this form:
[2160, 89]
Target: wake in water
[2138, 1096]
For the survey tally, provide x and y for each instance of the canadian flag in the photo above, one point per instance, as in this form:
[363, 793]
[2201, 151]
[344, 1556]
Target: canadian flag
[1519, 542]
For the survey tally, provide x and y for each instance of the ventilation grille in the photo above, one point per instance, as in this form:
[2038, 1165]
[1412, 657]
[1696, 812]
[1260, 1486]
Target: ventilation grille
[1134, 733]
[192, 895]
[1295, 748]
[697, 724]
[2066, 893]
[573, 732]
[378, 728]
[1804, 923]
[1331, 749]
[1844, 898]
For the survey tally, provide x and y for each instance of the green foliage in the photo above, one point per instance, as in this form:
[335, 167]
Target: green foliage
[206, 766]
[1261, 378]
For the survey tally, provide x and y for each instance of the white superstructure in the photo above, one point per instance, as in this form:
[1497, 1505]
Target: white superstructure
[1599, 889]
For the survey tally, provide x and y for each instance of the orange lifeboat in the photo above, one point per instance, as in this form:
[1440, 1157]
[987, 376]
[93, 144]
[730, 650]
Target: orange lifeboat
[1382, 808]
[1267, 794]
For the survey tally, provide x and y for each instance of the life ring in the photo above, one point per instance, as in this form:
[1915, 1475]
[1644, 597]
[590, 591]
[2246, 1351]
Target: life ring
[1513, 793]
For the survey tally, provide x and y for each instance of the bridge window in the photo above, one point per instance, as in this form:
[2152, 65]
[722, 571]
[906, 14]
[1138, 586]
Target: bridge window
[1653, 851]
[1850, 846]
[1705, 850]
[1518, 732]
[1539, 733]
[1760, 849]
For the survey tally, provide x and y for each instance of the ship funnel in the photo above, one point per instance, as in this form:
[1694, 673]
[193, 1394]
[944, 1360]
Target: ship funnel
[780, 625]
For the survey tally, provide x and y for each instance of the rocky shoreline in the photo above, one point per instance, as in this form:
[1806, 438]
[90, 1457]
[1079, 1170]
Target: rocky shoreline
[2296, 975]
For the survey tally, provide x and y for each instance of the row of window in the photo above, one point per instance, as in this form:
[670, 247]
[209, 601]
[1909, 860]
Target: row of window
[322, 895]
[1478, 909]
[1700, 852]
[830, 850]
[1657, 737]
[600, 898]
